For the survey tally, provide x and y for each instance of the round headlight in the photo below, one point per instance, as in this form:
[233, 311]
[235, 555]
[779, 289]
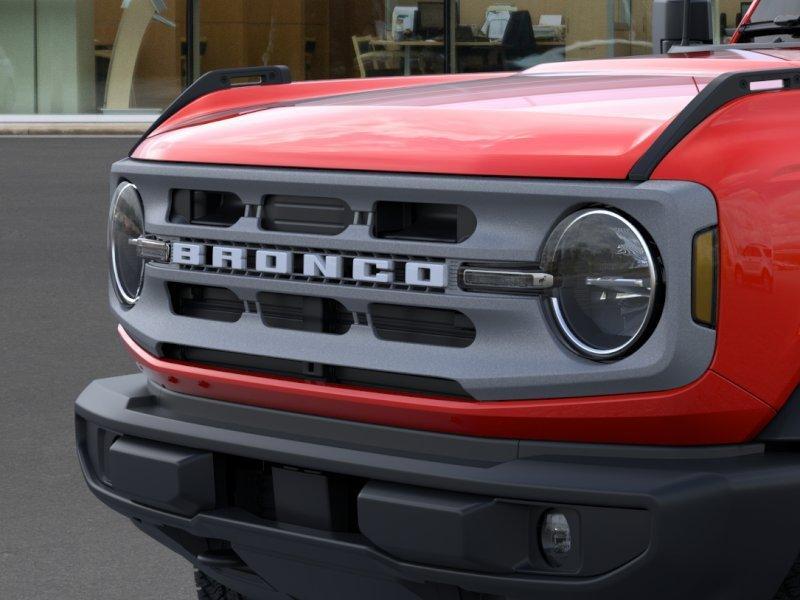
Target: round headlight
[126, 223]
[606, 282]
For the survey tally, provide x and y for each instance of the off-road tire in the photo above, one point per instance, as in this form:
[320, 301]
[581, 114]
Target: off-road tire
[209, 589]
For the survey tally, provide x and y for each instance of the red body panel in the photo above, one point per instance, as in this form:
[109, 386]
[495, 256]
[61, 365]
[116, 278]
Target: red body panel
[588, 120]
[710, 411]
[245, 98]
[746, 154]
[579, 126]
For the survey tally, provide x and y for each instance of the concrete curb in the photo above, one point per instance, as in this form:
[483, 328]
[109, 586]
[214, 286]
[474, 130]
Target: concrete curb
[73, 128]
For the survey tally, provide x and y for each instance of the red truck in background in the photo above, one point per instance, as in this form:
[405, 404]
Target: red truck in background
[480, 337]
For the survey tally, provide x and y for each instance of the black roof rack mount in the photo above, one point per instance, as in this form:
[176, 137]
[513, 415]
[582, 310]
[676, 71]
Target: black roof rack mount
[221, 79]
[723, 89]
[708, 48]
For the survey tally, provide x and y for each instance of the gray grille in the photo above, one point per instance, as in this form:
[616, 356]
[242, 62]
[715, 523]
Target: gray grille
[516, 353]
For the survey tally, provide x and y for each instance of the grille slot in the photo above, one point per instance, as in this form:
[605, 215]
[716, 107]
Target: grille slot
[431, 326]
[305, 214]
[416, 221]
[315, 372]
[213, 209]
[256, 486]
[205, 302]
[304, 313]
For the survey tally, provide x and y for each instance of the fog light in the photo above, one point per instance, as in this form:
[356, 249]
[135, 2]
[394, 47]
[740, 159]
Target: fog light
[556, 538]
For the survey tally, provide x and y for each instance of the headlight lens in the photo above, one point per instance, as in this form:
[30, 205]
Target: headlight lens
[126, 223]
[606, 282]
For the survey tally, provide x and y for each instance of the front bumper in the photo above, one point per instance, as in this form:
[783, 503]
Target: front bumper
[274, 503]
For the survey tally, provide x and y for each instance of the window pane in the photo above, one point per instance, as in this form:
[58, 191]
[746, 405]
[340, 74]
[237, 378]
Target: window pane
[325, 39]
[17, 57]
[523, 33]
[82, 56]
[732, 11]
[140, 53]
[373, 38]
[410, 38]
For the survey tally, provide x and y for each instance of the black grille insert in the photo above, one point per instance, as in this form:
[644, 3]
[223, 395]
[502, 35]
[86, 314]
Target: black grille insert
[304, 313]
[306, 214]
[432, 326]
[214, 209]
[315, 372]
[449, 223]
[290, 495]
[205, 302]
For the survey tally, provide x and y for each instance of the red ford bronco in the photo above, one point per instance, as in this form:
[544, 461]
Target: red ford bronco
[476, 337]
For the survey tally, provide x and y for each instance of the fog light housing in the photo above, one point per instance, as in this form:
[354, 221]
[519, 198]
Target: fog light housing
[556, 538]
[126, 225]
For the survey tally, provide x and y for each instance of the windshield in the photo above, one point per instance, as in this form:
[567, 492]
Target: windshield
[769, 10]
[773, 21]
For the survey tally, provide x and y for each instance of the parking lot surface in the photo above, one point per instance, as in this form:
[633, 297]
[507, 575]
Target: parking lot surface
[57, 542]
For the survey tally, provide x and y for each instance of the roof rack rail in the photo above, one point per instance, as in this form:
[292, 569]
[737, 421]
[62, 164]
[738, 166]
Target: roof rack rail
[754, 46]
[214, 81]
[720, 91]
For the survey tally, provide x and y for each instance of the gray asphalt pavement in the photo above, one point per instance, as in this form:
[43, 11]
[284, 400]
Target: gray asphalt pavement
[57, 542]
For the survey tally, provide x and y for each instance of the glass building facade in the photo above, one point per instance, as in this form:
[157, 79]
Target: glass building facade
[113, 57]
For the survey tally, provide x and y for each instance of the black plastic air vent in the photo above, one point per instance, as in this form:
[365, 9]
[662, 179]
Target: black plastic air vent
[432, 326]
[447, 223]
[304, 313]
[305, 214]
[205, 302]
[315, 372]
[214, 209]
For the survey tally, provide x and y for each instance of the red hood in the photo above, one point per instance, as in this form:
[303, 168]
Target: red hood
[577, 120]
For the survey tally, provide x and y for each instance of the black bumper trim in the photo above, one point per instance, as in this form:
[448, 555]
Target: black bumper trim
[724, 527]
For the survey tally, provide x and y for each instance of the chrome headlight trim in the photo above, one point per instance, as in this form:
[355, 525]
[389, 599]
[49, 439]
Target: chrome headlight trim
[124, 295]
[548, 257]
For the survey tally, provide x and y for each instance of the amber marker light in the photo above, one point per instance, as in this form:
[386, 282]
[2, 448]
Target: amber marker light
[704, 277]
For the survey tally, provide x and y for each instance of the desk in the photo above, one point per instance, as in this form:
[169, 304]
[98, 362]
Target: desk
[408, 45]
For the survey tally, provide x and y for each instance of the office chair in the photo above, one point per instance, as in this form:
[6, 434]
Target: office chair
[376, 63]
[519, 40]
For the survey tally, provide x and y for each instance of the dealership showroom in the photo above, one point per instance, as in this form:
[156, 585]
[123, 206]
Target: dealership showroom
[126, 60]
